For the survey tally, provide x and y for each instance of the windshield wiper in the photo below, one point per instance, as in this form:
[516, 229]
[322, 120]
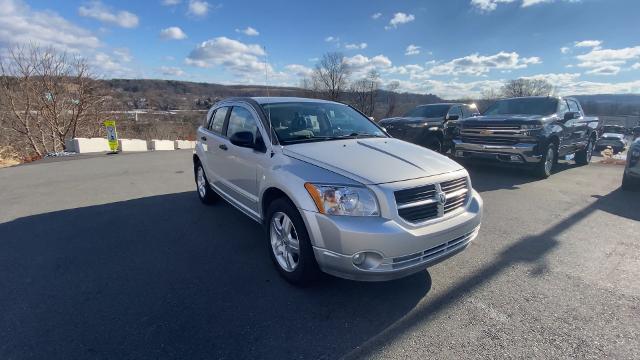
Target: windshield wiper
[357, 135]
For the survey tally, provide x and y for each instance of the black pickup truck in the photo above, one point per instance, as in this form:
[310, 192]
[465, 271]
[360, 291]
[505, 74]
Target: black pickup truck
[533, 131]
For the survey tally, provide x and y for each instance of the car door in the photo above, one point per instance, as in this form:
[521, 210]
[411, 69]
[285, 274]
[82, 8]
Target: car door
[242, 165]
[566, 137]
[580, 133]
[212, 139]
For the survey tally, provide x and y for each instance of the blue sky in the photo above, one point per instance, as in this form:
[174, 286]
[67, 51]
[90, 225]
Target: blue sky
[453, 48]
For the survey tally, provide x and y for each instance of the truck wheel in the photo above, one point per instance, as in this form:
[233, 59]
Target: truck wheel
[544, 169]
[435, 145]
[628, 183]
[206, 195]
[289, 244]
[583, 157]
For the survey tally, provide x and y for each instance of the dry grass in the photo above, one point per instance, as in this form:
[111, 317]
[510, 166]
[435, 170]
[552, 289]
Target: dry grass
[8, 157]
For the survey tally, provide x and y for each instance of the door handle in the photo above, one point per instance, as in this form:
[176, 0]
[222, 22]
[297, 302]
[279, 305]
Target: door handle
[203, 138]
[223, 147]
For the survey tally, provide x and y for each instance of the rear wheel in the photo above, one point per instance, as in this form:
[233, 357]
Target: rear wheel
[289, 244]
[434, 144]
[628, 183]
[544, 169]
[583, 157]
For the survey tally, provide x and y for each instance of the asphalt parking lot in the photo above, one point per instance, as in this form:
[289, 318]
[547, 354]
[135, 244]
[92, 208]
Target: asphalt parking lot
[114, 257]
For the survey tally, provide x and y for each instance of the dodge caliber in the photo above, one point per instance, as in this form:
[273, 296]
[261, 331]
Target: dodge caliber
[333, 191]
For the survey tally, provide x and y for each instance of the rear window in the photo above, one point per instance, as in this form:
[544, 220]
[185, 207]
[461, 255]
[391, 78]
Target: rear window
[429, 111]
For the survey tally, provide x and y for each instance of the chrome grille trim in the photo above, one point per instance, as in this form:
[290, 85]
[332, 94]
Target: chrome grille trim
[420, 204]
[433, 253]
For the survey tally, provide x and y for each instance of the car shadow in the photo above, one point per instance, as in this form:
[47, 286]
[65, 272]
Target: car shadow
[167, 277]
[486, 176]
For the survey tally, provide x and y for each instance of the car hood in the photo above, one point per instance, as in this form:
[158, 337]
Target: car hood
[515, 119]
[408, 120]
[373, 161]
[613, 135]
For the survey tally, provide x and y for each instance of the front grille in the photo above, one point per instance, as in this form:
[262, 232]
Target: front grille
[492, 127]
[432, 253]
[421, 203]
[489, 140]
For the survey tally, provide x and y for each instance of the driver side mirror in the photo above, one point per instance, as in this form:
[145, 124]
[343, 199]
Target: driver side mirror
[570, 115]
[243, 139]
[452, 117]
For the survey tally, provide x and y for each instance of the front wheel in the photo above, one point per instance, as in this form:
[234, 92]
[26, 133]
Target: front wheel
[289, 244]
[583, 157]
[206, 195]
[544, 169]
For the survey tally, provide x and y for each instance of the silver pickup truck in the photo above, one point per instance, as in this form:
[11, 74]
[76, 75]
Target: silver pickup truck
[334, 192]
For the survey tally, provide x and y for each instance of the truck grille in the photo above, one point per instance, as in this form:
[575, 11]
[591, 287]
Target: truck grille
[489, 140]
[421, 203]
[492, 127]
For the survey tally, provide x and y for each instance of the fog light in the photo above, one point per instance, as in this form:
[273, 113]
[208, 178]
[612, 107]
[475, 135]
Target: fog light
[359, 258]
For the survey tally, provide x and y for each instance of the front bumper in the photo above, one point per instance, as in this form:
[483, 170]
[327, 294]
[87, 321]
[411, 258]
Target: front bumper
[522, 153]
[400, 250]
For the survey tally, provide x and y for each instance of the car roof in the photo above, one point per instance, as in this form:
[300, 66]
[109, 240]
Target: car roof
[286, 99]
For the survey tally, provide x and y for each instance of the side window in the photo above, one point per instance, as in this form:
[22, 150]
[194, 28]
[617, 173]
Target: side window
[241, 120]
[217, 120]
[455, 110]
[562, 108]
[573, 106]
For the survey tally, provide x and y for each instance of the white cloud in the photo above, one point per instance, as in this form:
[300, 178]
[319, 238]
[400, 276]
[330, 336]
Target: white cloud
[376, 16]
[491, 5]
[565, 50]
[356, 46]
[412, 50]
[399, 19]
[359, 64]
[198, 7]
[109, 67]
[19, 24]
[123, 54]
[477, 65]
[233, 55]
[299, 70]
[172, 33]
[607, 61]
[249, 31]
[588, 43]
[331, 39]
[98, 11]
[171, 2]
[171, 71]
[636, 66]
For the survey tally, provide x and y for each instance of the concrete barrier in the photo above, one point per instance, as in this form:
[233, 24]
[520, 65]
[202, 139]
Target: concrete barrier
[132, 145]
[159, 145]
[92, 145]
[184, 144]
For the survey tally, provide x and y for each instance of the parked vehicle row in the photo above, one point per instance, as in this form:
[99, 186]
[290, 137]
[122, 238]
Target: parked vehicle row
[527, 131]
[631, 177]
[333, 191]
[613, 136]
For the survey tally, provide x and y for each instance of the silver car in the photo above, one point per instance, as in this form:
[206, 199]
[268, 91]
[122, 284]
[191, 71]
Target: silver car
[334, 192]
[631, 177]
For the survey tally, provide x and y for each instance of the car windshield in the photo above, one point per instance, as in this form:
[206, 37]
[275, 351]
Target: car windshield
[613, 129]
[429, 111]
[523, 106]
[297, 122]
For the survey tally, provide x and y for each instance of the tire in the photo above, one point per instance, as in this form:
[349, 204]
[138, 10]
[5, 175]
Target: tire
[583, 157]
[435, 144]
[203, 189]
[549, 158]
[290, 248]
[628, 184]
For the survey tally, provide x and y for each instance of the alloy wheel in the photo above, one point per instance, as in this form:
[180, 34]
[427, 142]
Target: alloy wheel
[201, 182]
[284, 242]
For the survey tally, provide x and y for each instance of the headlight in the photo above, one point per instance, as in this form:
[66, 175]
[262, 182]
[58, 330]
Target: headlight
[417, 125]
[343, 200]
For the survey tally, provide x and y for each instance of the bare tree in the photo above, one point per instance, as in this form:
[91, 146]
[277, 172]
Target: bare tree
[49, 97]
[526, 87]
[392, 97]
[331, 75]
[364, 92]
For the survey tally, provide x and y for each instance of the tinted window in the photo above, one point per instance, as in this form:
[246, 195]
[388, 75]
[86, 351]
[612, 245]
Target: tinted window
[217, 120]
[573, 106]
[241, 120]
[455, 110]
[524, 106]
[429, 111]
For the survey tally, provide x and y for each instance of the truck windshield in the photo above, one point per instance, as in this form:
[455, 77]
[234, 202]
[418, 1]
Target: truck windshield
[429, 111]
[523, 106]
[297, 122]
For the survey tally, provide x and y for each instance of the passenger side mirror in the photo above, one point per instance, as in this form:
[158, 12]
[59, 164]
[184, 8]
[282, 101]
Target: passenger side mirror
[243, 139]
[452, 117]
[570, 115]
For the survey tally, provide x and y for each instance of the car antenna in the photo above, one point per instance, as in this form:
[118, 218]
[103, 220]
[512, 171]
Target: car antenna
[266, 83]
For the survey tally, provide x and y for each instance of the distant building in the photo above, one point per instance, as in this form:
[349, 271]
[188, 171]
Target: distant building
[628, 121]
